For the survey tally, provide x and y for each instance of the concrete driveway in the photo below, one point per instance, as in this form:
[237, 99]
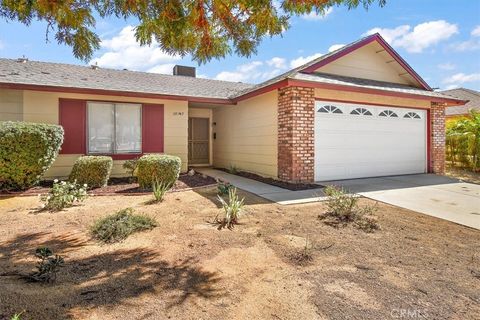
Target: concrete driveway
[430, 194]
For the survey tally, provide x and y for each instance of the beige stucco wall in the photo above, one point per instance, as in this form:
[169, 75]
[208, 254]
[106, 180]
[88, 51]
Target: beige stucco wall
[369, 62]
[11, 105]
[370, 98]
[247, 135]
[42, 107]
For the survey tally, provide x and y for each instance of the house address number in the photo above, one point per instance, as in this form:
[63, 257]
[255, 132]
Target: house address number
[178, 113]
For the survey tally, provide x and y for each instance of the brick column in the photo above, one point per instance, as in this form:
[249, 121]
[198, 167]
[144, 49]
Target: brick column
[296, 113]
[437, 138]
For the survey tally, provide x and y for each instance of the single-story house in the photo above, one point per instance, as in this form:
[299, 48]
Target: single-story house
[473, 98]
[360, 111]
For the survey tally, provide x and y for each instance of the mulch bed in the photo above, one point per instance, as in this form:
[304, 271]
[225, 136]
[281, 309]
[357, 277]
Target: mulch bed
[274, 182]
[119, 186]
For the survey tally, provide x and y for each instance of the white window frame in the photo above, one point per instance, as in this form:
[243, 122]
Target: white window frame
[114, 151]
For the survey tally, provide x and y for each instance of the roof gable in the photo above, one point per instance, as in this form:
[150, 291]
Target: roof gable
[369, 58]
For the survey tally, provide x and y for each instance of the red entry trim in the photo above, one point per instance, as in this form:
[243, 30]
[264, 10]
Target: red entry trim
[72, 117]
[152, 128]
[374, 37]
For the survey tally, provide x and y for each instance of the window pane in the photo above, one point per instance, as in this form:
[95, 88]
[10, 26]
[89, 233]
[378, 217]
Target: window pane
[128, 136]
[100, 127]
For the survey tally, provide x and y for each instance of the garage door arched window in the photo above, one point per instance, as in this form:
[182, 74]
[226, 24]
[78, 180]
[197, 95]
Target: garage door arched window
[412, 115]
[388, 114]
[329, 109]
[361, 111]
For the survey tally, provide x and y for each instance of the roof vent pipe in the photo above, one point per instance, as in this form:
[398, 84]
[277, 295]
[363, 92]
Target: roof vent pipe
[94, 66]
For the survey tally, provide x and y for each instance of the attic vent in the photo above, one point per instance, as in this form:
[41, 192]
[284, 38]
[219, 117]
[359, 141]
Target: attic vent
[184, 71]
[94, 66]
[23, 59]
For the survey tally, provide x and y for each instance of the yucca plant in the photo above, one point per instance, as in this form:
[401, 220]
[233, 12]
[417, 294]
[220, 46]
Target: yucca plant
[232, 209]
[159, 190]
[17, 316]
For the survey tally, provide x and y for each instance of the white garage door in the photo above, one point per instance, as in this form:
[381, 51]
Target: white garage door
[356, 141]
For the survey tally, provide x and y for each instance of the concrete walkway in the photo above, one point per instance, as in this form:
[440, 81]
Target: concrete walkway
[437, 196]
[266, 191]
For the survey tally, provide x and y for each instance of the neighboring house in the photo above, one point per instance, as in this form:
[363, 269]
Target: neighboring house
[472, 96]
[359, 111]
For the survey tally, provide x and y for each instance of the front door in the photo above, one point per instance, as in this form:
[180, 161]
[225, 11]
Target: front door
[198, 141]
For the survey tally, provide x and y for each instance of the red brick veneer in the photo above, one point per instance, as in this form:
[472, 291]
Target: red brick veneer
[296, 113]
[437, 138]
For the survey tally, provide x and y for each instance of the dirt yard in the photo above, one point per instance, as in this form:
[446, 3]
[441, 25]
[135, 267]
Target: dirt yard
[187, 269]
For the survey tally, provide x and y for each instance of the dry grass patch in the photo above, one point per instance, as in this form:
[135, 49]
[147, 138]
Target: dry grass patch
[119, 226]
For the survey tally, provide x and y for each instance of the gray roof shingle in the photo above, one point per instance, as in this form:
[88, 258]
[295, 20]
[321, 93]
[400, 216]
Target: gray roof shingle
[65, 75]
[75, 76]
[464, 94]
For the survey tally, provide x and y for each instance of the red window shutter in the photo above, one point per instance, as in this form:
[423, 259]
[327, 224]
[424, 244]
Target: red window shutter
[152, 128]
[72, 117]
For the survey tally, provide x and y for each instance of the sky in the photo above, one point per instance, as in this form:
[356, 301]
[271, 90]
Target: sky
[440, 39]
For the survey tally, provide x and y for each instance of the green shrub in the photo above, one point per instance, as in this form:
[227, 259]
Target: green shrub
[161, 167]
[120, 225]
[223, 188]
[92, 170]
[131, 167]
[341, 204]
[463, 141]
[48, 265]
[63, 195]
[343, 208]
[232, 209]
[27, 150]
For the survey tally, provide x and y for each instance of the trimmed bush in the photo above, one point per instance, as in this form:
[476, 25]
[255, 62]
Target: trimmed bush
[27, 150]
[158, 167]
[92, 170]
[131, 167]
